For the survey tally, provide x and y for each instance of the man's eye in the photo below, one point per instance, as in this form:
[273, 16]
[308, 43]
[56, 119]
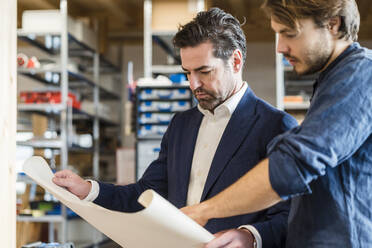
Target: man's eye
[290, 35]
[205, 72]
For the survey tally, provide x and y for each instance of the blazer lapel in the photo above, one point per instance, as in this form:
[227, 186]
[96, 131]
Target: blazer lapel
[186, 153]
[240, 124]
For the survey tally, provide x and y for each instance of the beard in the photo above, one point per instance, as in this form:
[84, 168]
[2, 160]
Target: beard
[209, 101]
[315, 58]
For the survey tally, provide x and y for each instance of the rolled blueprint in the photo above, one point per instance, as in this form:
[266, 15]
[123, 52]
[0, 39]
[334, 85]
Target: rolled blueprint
[159, 225]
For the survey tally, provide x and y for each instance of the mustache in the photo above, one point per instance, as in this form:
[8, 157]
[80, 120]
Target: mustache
[289, 57]
[201, 91]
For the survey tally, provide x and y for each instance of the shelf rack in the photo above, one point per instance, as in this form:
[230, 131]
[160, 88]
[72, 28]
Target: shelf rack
[155, 106]
[161, 38]
[69, 80]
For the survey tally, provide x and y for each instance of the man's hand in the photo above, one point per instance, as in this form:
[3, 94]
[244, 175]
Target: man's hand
[72, 183]
[195, 212]
[237, 238]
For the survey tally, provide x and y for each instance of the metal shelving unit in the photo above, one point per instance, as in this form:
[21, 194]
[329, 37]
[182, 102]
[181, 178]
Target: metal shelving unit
[68, 80]
[155, 107]
[163, 39]
[154, 112]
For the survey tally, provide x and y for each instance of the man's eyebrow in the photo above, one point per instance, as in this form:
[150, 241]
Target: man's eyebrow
[285, 30]
[199, 68]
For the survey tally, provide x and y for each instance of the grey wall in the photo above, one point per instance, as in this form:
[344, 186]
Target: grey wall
[259, 70]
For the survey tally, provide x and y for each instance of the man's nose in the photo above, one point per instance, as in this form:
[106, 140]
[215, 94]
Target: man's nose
[194, 81]
[282, 46]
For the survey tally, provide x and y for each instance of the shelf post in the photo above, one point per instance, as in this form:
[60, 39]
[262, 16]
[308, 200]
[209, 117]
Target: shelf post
[64, 94]
[96, 117]
[279, 77]
[147, 38]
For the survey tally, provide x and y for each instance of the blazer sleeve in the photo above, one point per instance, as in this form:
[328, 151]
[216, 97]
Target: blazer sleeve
[273, 229]
[124, 198]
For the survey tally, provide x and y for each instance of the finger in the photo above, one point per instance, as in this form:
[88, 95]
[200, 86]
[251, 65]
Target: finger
[61, 181]
[219, 233]
[234, 244]
[221, 241]
[63, 173]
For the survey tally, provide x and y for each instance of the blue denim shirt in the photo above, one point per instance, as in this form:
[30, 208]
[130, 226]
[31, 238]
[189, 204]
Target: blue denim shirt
[325, 164]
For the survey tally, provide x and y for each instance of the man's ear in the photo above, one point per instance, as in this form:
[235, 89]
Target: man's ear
[334, 25]
[237, 57]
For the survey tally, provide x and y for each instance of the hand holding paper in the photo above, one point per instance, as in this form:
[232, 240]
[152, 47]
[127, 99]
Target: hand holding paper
[159, 225]
[72, 183]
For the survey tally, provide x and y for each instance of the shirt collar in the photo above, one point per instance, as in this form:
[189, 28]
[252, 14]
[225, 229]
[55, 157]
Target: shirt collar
[353, 46]
[227, 107]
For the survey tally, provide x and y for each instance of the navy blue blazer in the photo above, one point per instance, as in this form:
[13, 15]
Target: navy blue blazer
[252, 126]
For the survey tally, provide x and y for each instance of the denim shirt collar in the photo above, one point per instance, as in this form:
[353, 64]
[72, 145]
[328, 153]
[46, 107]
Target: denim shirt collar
[323, 74]
[352, 47]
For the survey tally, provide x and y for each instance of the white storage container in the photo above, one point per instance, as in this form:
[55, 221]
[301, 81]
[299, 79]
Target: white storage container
[153, 94]
[181, 94]
[148, 151]
[164, 106]
[155, 118]
[152, 131]
[44, 21]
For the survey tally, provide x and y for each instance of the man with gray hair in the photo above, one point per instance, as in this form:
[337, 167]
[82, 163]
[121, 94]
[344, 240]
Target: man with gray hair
[208, 147]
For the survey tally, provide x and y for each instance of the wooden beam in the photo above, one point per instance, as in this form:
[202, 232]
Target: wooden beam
[102, 35]
[8, 122]
[37, 4]
[112, 9]
[116, 10]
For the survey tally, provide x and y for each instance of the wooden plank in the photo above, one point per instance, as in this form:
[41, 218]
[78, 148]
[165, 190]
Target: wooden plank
[39, 127]
[109, 8]
[39, 124]
[8, 123]
[28, 232]
[102, 35]
[37, 4]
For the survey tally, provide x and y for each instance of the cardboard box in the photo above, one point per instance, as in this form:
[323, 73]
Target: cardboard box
[167, 15]
[28, 232]
[51, 21]
[110, 83]
[108, 110]
[44, 21]
[125, 166]
[84, 34]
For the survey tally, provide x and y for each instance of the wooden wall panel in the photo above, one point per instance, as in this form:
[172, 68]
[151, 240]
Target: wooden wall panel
[8, 82]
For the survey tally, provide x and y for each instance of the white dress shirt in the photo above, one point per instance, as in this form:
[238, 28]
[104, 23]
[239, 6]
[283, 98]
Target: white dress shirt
[210, 132]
